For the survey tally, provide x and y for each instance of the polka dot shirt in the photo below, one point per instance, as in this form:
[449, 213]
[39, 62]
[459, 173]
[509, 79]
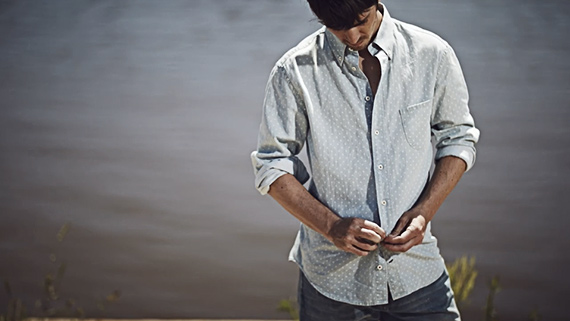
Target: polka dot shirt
[369, 155]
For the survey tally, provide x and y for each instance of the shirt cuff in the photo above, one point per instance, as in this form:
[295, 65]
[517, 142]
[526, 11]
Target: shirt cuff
[268, 171]
[467, 154]
[264, 186]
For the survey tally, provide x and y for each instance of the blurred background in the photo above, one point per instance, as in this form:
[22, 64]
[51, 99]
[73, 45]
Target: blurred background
[134, 121]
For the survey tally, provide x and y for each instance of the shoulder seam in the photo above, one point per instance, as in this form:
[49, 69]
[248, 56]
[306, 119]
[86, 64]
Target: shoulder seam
[426, 32]
[307, 41]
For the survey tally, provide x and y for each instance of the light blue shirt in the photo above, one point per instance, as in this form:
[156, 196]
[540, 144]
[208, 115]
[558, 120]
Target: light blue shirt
[370, 156]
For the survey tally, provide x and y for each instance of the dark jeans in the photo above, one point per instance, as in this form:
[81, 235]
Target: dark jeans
[434, 302]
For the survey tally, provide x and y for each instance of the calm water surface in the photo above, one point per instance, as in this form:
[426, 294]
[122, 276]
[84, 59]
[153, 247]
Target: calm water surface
[134, 120]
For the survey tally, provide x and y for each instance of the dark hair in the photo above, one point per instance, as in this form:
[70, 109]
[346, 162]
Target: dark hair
[340, 14]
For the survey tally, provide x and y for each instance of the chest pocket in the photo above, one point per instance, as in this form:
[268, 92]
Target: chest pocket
[416, 123]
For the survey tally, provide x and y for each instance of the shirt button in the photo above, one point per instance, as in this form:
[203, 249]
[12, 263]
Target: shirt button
[380, 166]
[383, 202]
[379, 267]
[367, 98]
[376, 132]
[353, 68]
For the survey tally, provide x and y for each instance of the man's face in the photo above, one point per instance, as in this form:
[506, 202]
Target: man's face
[360, 35]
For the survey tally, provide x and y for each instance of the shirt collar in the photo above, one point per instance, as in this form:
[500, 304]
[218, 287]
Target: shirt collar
[384, 38]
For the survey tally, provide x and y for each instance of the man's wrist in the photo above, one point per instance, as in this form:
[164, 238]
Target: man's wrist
[426, 210]
[331, 221]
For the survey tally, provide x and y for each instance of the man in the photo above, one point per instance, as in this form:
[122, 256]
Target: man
[366, 93]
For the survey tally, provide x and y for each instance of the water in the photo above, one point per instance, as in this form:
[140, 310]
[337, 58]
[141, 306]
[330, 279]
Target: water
[134, 120]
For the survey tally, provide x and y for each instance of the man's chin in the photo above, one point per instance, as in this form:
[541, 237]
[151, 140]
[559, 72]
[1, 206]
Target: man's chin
[358, 46]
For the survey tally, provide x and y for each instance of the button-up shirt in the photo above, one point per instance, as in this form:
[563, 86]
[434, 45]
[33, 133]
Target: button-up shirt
[369, 155]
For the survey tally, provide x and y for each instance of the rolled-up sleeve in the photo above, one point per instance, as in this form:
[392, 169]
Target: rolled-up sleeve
[452, 124]
[282, 132]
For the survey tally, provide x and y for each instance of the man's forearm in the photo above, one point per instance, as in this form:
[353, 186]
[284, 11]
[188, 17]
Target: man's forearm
[448, 171]
[294, 198]
[350, 234]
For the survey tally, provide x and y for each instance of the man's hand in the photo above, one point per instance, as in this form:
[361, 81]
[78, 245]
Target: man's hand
[356, 235]
[409, 231]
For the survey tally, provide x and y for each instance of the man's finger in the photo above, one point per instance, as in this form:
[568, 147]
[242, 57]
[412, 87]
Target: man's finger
[403, 247]
[373, 226]
[363, 245]
[400, 239]
[402, 222]
[370, 235]
[357, 251]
